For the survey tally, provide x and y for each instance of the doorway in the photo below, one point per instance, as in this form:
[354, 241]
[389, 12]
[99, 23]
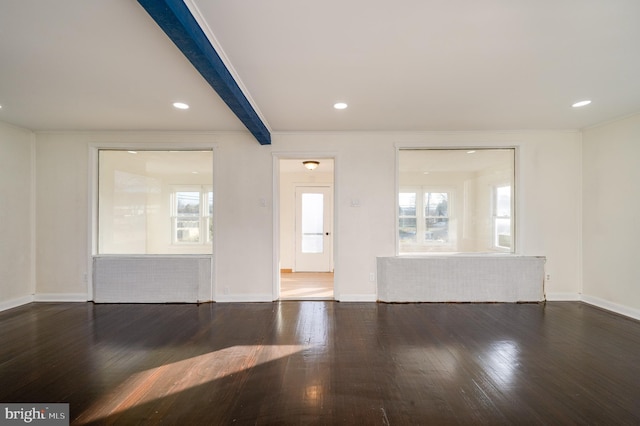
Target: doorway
[306, 230]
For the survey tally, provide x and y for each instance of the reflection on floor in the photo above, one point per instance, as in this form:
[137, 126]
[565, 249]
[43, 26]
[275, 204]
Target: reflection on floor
[306, 285]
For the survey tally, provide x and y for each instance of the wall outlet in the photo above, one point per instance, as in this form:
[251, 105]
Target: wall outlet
[225, 290]
[548, 277]
[372, 276]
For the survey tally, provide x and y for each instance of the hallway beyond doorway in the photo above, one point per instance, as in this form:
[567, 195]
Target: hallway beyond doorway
[306, 285]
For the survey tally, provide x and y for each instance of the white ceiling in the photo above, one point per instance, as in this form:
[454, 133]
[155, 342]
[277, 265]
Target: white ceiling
[404, 65]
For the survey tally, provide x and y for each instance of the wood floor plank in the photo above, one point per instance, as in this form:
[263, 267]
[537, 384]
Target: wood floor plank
[324, 362]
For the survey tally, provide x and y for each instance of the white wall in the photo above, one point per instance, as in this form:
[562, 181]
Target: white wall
[549, 204]
[62, 185]
[611, 204]
[548, 209]
[16, 216]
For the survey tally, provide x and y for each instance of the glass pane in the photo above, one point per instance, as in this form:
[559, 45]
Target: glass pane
[188, 203]
[503, 201]
[407, 203]
[503, 233]
[408, 229]
[210, 217]
[135, 192]
[460, 193]
[188, 230]
[436, 204]
[436, 230]
[312, 223]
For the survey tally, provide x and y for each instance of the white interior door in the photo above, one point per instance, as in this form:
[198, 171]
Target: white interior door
[314, 231]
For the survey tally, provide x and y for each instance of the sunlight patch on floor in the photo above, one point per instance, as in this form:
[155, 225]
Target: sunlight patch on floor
[176, 377]
[306, 285]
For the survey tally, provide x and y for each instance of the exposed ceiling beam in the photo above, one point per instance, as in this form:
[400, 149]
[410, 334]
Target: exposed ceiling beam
[176, 20]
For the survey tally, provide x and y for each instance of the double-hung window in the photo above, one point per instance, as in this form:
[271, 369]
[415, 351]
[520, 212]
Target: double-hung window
[423, 218]
[192, 210]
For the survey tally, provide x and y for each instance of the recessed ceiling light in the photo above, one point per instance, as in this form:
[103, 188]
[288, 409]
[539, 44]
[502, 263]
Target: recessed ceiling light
[340, 105]
[180, 105]
[581, 103]
[471, 152]
[132, 152]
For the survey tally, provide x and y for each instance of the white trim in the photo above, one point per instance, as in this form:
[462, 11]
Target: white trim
[580, 219]
[612, 306]
[275, 253]
[371, 297]
[14, 303]
[33, 216]
[563, 297]
[211, 290]
[244, 298]
[92, 216]
[61, 297]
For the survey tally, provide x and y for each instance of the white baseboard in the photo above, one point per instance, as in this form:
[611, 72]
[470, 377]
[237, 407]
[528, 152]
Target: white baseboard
[611, 306]
[60, 297]
[564, 297]
[357, 298]
[14, 303]
[246, 298]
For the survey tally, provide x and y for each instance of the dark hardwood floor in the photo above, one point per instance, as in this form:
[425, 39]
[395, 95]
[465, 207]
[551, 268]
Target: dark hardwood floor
[322, 362]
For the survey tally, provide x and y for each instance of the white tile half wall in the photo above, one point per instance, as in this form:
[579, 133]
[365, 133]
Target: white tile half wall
[150, 279]
[459, 278]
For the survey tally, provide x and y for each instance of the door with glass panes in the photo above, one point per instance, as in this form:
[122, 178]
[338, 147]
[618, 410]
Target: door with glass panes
[314, 233]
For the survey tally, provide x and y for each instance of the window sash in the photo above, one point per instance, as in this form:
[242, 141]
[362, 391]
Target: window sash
[202, 232]
[502, 217]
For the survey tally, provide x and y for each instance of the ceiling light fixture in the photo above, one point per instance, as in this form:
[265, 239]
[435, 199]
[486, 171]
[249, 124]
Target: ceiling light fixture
[340, 105]
[132, 152]
[471, 152]
[311, 165]
[180, 105]
[581, 103]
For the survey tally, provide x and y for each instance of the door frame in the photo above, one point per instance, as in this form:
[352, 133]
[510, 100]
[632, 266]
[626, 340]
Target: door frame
[277, 156]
